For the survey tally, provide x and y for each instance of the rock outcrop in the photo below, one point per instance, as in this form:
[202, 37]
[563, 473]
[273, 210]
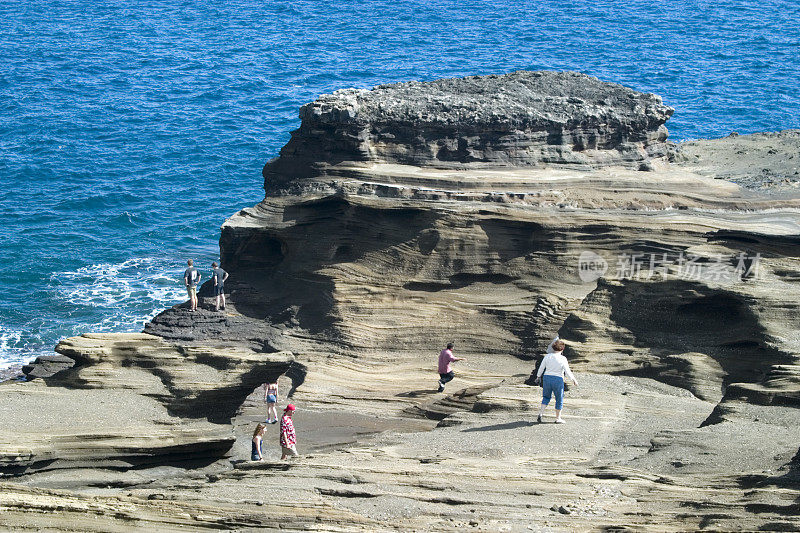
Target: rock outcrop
[357, 251]
[539, 119]
[768, 162]
[130, 399]
[494, 212]
[45, 366]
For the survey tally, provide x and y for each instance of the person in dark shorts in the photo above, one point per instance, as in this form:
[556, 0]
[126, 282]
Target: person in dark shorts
[271, 397]
[191, 277]
[219, 276]
[446, 373]
[256, 451]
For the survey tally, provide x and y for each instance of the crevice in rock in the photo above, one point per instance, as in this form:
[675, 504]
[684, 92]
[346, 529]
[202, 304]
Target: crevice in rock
[347, 493]
[680, 332]
[462, 400]
[258, 250]
[458, 281]
[297, 373]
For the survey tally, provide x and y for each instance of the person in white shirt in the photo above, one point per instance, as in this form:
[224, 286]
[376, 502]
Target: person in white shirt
[551, 373]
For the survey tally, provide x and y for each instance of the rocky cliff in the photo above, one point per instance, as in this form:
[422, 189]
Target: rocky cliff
[493, 212]
[524, 119]
[376, 237]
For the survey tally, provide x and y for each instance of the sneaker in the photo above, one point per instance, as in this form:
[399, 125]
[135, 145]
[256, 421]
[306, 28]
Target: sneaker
[559, 420]
[274, 421]
[539, 419]
[441, 387]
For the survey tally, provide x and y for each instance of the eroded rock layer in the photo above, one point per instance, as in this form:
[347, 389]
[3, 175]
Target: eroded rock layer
[130, 400]
[520, 119]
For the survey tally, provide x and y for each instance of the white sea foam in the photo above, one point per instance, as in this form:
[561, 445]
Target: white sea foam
[19, 346]
[114, 297]
[126, 294]
[11, 352]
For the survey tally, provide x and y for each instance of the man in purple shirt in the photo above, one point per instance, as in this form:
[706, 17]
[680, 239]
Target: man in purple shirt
[446, 373]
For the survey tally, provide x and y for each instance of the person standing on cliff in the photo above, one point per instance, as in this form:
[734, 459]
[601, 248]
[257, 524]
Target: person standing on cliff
[191, 277]
[446, 373]
[219, 276]
[288, 440]
[551, 373]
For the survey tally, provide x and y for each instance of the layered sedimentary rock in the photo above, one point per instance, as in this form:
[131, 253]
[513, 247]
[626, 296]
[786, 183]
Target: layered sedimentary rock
[369, 244]
[130, 400]
[494, 212]
[391, 226]
[522, 119]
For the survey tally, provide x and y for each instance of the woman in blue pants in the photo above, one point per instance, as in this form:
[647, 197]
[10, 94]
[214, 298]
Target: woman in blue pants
[551, 372]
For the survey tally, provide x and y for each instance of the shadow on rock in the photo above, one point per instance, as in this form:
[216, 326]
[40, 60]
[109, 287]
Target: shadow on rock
[499, 427]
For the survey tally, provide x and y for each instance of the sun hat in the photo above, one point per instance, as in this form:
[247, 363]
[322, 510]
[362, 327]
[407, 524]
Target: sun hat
[289, 407]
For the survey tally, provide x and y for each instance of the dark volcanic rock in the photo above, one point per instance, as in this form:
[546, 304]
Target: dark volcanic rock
[45, 366]
[518, 119]
[764, 161]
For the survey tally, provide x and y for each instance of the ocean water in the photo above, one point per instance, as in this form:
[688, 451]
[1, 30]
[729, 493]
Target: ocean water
[129, 131]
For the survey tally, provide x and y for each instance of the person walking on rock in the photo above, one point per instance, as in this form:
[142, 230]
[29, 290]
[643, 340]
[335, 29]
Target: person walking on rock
[551, 373]
[219, 276]
[288, 439]
[256, 452]
[446, 373]
[271, 397]
[191, 277]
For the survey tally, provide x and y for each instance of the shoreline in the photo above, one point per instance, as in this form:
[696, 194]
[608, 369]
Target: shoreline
[11, 373]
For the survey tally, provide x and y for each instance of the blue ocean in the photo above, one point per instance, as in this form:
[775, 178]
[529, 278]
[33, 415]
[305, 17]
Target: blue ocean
[129, 131]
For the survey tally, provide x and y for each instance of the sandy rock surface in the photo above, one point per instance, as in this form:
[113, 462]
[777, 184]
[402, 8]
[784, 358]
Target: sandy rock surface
[768, 162]
[131, 400]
